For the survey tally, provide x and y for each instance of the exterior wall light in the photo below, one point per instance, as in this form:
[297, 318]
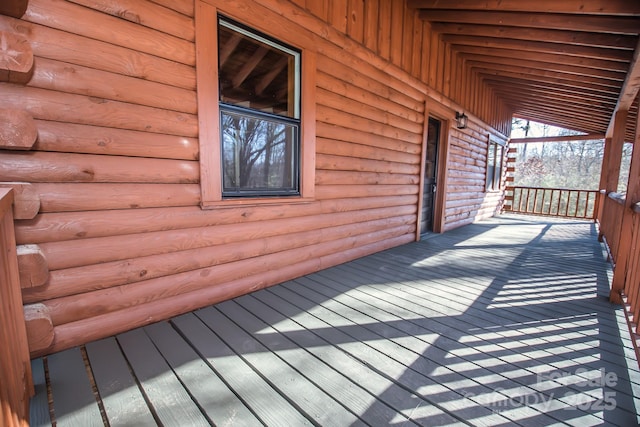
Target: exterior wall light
[461, 119]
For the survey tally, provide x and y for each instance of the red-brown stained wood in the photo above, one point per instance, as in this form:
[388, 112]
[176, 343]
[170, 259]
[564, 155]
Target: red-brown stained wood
[33, 267]
[64, 167]
[146, 13]
[15, 369]
[40, 332]
[14, 8]
[384, 34]
[99, 26]
[26, 203]
[71, 281]
[186, 7]
[65, 197]
[67, 47]
[75, 253]
[69, 78]
[338, 14]
[17, 129]
[57, 106]
[356, 20]
[120, 223]
[117, 321]
[76, 138]
[15, 53]
[66, 309]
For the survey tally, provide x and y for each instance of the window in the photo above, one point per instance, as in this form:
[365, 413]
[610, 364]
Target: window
[259, 99]
[494, 166]
[256, 109]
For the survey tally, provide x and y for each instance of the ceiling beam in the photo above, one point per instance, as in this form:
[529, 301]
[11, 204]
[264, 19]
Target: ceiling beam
[568, 86]
[592, 83]
[558, 138]
[517, 87]
[579, 38]
[595, 7]
[629, 90]
[607, 54]
[614, 77]
[523, 55]
[557, 21]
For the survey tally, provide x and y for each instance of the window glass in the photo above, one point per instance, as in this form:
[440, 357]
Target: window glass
[491, 165]
[259, 91]
[257, 155]
[257, 73]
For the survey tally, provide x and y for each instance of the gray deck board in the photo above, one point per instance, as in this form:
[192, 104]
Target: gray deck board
[123, 402]
[269, 406]
[39, 405]
[203, 383]
[501, 323]
[170, 401]
[75, 404]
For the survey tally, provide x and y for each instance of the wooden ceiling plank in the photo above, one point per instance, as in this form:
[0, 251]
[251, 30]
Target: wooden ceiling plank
[554, 94]
[523, 79]
[629, 90]
[607, 54]
[527, 96]
[592, 83]
[615, 77]
[609, 79]
[556, 21]
[596, 7]
[579, 38]
[631, 85]
[598, 64]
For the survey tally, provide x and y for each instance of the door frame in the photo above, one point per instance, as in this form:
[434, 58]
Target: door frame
[444, 116]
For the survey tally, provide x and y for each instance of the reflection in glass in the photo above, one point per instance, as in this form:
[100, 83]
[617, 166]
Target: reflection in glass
[257, 155]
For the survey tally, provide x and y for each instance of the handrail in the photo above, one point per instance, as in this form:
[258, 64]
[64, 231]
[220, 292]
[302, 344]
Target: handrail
[558, 202]
[15, 365]
[617, 197]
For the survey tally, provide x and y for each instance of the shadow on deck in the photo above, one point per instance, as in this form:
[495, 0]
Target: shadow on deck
[503, 322]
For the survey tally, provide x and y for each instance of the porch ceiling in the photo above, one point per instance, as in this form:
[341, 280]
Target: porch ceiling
[562, 63]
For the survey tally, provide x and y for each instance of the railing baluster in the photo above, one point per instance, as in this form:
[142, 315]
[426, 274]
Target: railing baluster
[559, 202]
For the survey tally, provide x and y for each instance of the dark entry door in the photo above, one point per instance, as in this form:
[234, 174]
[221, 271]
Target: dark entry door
[430, 174]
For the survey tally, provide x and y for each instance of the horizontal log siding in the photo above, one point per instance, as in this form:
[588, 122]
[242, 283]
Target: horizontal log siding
[466, 198]
[116, 162]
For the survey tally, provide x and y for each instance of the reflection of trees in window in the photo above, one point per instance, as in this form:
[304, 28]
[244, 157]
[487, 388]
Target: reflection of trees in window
[260, 115]
[256, 153]
[494, 165]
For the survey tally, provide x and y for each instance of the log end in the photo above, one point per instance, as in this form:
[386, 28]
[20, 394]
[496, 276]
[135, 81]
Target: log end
[26, 201]
[32, 266]
[40, 331]
[18, 130]
[13, 8]
[16, 55]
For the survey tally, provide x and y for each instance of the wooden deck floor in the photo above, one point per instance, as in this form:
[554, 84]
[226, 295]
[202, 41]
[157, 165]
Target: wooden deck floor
[498, 323]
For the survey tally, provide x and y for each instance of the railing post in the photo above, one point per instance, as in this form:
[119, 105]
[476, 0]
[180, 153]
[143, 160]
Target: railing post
[15, 364]
[626, 224]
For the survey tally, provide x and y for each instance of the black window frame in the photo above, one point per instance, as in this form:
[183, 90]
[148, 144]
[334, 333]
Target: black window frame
[294, 122]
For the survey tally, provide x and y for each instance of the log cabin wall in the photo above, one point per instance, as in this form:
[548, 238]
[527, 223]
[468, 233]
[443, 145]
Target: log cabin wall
[118, 237]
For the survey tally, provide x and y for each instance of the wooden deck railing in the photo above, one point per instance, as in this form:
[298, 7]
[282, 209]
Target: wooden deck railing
[619, 221]
[16, 385]
[610, 223]
[631, 291]
[557, 202]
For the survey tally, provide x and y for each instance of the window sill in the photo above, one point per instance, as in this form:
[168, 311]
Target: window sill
[247, 202]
